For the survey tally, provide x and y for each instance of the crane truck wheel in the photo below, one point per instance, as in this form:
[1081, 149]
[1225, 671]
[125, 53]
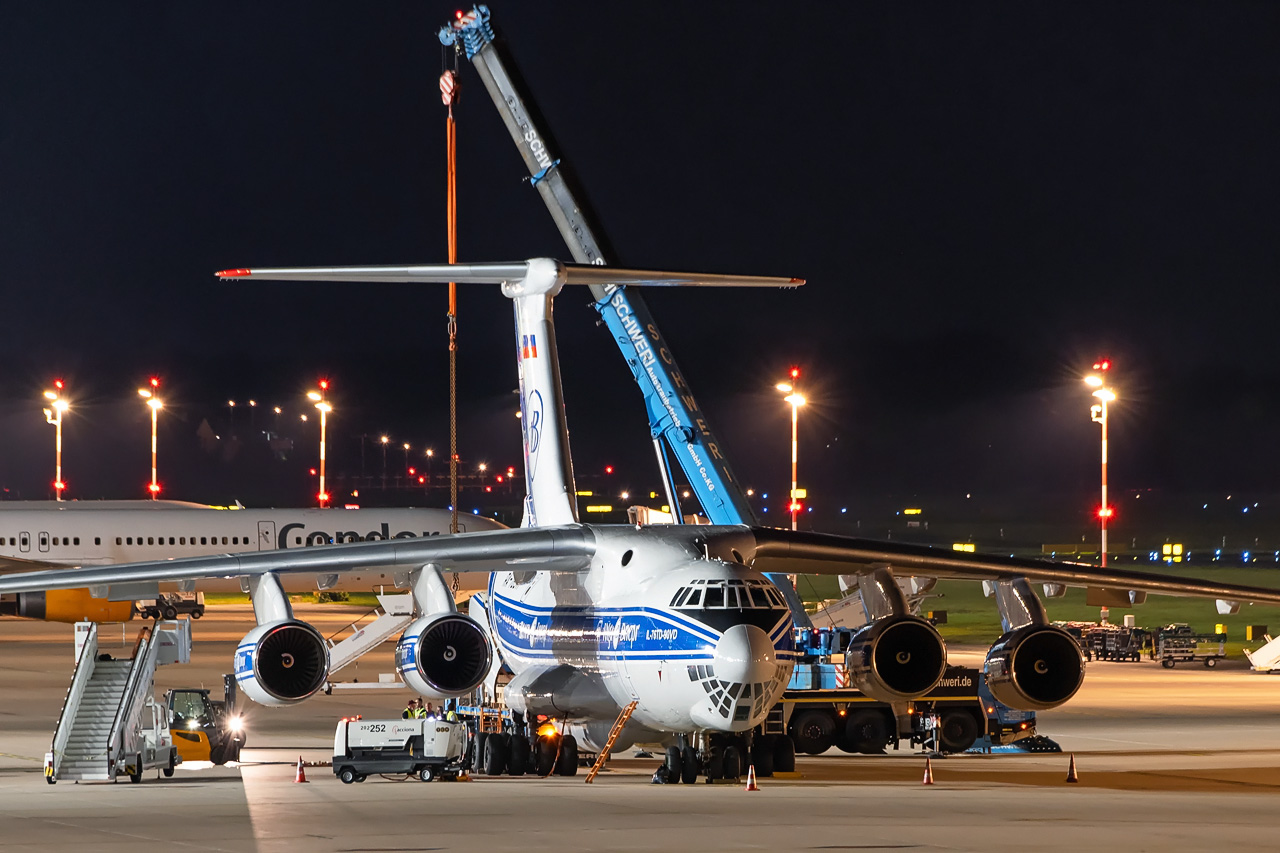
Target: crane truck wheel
[784, 755]
[813, 731]
[866, 732]
[959, 731]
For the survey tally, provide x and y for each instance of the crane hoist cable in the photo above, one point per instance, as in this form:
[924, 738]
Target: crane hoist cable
[448, 94]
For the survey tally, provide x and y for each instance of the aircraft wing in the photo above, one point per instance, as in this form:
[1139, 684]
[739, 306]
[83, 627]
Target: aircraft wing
[12, 565]
[791, 552]
[547, 549]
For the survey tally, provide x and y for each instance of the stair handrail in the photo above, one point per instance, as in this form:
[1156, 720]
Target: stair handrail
[144, 657]
[75, 692]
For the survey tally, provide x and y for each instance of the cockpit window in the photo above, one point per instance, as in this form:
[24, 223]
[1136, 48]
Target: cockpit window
[734, 594]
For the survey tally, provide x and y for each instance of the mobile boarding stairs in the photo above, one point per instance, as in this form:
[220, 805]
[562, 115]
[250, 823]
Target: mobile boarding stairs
[110, 716]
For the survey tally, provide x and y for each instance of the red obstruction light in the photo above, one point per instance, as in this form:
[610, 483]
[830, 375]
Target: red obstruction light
[608, 469]
[795, 373]
[422, 479]
[154, 488]
[57, 383]
[413, 471]
[155, 381]
[488, 488]
[498, 478]
[59, 485]
[313, 472]
[324, 497]
[1106, 511]
[1103, 363]
[324, 384]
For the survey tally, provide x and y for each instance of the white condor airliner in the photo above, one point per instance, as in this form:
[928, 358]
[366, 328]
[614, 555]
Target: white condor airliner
[680, 620]
[61, 534]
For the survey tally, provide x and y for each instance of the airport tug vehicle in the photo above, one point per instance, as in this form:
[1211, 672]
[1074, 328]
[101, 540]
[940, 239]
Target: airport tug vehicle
[424, 747]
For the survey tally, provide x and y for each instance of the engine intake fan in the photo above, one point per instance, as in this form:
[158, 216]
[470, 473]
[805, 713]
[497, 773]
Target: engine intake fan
[282, 663]
[1034, 668]
[444, 655]
[897, 658]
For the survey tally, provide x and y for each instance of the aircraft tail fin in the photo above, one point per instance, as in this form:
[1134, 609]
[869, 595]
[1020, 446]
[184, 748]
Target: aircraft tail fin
[532, 285]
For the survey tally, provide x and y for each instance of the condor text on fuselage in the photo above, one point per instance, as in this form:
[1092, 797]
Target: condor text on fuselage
[88, 533]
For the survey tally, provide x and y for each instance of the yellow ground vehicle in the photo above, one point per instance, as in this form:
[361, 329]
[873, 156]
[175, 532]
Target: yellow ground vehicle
[205, 729]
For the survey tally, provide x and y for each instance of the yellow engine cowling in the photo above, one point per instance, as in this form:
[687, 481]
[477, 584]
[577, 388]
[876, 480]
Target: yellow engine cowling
[69, 605]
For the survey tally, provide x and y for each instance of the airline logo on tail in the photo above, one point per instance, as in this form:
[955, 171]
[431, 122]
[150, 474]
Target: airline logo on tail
[529, 346]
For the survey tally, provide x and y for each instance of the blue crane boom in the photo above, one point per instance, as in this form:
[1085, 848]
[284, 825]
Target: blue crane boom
[674, 415]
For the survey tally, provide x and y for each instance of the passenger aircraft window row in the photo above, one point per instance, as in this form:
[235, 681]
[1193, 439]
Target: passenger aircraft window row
[45, 541]
[728, 593]
[182, 540]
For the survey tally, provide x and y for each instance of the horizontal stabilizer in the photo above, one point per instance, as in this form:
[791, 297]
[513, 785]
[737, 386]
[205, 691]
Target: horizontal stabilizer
[499, 273]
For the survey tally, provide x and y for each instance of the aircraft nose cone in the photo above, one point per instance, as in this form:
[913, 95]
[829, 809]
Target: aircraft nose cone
[744, 655]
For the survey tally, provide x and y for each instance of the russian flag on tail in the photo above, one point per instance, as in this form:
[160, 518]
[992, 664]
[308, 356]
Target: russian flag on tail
[529, 346]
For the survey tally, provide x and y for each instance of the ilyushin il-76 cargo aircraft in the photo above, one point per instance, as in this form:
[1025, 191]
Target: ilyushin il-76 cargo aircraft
[680, 620]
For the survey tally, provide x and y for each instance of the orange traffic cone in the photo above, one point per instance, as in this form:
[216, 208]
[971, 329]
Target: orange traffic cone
[928, 771]
[1071, 771]
[301, 775]
[751, 779]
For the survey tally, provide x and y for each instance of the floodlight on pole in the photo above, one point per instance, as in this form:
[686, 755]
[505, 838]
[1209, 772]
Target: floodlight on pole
[155, 405]
[317, 398]
[795, 400]
[1098, 413]
[53, 415]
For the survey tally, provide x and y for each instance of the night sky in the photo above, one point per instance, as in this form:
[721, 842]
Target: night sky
[982, 197]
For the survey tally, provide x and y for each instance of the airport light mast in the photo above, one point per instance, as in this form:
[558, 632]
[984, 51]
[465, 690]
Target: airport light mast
[1098, 413]
[53, 415]
[322, 404]
[796, 400]
[154, 404]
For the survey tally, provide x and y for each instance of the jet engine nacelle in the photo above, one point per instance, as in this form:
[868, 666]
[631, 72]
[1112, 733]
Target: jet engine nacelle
[897, 658]
[1034, 668]
[444, 655]
[282, 663]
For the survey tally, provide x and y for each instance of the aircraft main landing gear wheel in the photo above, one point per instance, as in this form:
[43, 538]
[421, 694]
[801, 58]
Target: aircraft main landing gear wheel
[732, 763]
[690, 764]
[347, 775]
[715, 763]
[544, 755]
[567, 765]
[518, 759]
[495, 756]
[762, 751]
[784, 755]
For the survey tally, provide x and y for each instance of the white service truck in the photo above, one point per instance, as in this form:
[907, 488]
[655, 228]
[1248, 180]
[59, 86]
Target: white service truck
[425, 747]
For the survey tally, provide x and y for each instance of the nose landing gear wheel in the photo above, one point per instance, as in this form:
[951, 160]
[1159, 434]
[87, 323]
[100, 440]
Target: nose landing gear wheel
[689, 765]
[732, 763]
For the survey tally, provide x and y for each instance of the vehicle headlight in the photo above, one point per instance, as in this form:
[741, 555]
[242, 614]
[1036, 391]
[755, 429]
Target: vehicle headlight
[236, 723]
[193, 724]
